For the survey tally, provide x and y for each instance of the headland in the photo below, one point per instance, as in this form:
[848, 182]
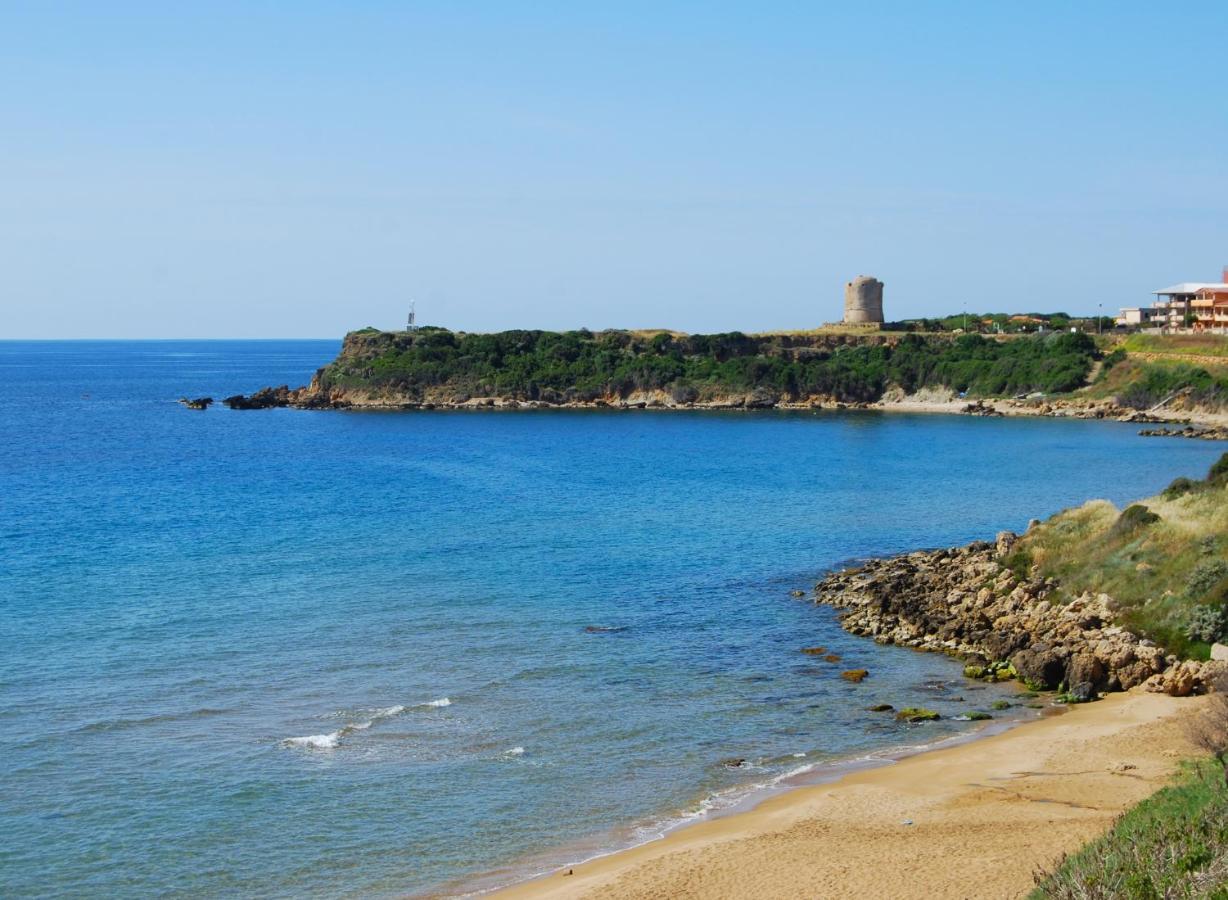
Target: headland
[1171, 380]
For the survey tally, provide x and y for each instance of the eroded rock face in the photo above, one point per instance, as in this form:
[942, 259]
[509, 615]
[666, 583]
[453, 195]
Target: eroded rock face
[965, 602]
[274, 397]
[267, 398]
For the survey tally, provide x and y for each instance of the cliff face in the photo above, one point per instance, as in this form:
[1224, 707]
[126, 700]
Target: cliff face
[965, 602]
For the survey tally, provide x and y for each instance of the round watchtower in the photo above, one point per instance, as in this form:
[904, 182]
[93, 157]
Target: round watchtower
[863, 301]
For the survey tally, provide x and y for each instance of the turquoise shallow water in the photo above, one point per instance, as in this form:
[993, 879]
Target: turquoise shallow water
[228, 636]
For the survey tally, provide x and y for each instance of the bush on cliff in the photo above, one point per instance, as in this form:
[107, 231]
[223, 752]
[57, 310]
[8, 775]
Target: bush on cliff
[584, 365]
[1162, 561]
[1141, 385]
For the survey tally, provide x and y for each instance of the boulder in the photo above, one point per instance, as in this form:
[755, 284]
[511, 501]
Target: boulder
[1085, 668]
[1081, 692]
[1040, 665]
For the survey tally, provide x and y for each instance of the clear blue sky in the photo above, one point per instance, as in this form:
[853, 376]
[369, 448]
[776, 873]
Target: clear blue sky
[266, 169]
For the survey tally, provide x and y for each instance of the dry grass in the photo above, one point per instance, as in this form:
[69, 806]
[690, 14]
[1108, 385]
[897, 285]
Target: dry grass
[1146, 565]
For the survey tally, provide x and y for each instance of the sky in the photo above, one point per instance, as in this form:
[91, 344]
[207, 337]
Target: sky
[301, 169]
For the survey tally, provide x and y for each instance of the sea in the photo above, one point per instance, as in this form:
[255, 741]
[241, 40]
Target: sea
[330, 653]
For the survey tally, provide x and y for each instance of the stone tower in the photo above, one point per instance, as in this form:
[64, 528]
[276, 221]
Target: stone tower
[863, 301]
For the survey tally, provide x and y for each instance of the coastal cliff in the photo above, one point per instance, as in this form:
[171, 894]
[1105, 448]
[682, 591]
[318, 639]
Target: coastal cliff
[1054, 374]
[435, 368]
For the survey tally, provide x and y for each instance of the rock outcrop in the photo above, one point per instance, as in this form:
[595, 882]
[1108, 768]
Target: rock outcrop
[966, 602]
[274, 397]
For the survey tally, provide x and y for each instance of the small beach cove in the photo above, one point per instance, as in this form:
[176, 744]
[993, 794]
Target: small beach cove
[278, 602]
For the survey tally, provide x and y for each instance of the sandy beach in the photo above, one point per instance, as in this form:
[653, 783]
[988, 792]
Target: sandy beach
[972, 820]
[917, 404]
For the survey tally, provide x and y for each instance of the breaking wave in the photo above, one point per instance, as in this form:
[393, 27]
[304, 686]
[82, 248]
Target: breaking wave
[332, 739]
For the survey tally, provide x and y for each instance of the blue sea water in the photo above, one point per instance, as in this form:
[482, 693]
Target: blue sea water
[278, 653]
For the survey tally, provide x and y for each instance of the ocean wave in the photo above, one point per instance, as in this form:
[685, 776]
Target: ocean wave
[156, 719]
[514, 751]
[315, 741]
[331, 740]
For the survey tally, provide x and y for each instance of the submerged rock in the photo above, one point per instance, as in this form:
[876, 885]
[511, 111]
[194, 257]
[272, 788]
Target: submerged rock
[854, 675]
[917, 714]
[198, 403]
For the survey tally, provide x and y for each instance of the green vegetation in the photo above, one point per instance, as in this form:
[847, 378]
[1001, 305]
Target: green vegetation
[1173, 844]
[1000, 322]
[1186, 344]
[1141, 384]
[585, 366]
[1165, 561]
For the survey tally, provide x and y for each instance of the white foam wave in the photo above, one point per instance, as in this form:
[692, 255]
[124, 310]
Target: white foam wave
[332, 739]
[315, 741]
[515, 751]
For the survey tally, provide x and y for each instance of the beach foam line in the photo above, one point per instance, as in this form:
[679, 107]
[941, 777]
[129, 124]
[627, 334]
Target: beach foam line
[332, 739]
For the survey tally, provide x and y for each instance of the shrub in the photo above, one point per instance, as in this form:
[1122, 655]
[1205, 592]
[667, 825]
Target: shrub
[1219, 471]
[1178, 488]
[1020, 563]
[1207, 623]
[529, 363]
[1118, 355]
[1132, 518]
[1206, 576]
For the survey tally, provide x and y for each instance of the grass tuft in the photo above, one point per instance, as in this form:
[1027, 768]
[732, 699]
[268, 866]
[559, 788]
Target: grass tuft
[1173, 844]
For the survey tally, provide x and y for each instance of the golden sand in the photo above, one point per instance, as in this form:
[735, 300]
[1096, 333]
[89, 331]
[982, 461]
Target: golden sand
[973, 820]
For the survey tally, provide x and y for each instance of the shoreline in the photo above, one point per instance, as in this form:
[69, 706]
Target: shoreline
[1195, 423]
[748, 798]
[987, 811]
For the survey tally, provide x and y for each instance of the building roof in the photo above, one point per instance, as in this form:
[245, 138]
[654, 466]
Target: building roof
[1189, 287]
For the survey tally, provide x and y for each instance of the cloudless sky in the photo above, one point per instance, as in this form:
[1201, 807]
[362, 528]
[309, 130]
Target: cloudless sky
[299, 169]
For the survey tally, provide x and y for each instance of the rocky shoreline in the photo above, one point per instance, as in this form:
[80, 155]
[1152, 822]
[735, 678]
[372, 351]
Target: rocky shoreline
[967, 603]
[1197, 424]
